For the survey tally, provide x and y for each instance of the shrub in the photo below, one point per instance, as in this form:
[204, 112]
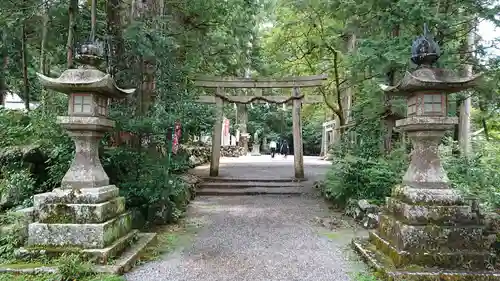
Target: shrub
[478, 175]
[16, 188]
[73, 267]
[144, 182]
[353, 177]
[11, 225]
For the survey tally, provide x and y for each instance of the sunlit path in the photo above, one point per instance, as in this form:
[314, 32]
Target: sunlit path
[266, 167]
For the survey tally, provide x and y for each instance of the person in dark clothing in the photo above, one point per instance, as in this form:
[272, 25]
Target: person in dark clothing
[284, 148]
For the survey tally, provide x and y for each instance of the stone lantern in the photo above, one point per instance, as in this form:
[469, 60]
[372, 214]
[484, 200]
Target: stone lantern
[86, 212]
[428, 231]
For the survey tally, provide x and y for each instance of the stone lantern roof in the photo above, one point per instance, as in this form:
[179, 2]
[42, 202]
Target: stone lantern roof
[426, 52]
[431, 79]
[86, 78]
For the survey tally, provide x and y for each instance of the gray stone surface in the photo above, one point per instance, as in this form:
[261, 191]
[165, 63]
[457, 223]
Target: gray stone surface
[259, 238]
[76, 196]
[88, 236]
[256, 150]
[86, 170]
[81, 213]
[425, 169]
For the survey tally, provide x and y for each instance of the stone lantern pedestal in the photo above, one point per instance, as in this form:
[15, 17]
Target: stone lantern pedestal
[85, 214]
[428, 231]
[244, 142]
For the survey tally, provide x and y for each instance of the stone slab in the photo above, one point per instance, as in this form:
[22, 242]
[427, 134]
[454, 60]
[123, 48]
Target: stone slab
[104, 255]
[128, 258]
[122, 264]
[431, 237]
[89, 123]
[428, 196]
[251, 191]
[81, 213]
[233, 185]
[86, 236]
[432, 214]
[250, 179]
[76, 196]
[388, 272]
[100, 256]
[463, 259]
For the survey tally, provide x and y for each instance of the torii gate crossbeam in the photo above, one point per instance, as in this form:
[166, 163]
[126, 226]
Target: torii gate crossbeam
[295, 83]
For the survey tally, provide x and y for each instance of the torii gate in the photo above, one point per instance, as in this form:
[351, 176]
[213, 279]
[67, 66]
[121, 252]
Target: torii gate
[295, 83]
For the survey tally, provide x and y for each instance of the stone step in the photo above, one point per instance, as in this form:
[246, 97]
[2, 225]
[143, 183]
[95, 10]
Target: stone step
[120, 265]
[249, 179]
[101, 256]
[250, 191]
[128, 258]
[242, 184]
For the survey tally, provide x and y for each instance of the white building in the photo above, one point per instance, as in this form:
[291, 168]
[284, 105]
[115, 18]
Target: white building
[14, 102]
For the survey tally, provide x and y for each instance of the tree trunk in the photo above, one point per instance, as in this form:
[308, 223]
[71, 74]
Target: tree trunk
[116, 59]
[3, 69]
[388, 125]
[482, 107]
[464, 126]
[25, 67]
[348, 92]
[45, 24]
[72, 13]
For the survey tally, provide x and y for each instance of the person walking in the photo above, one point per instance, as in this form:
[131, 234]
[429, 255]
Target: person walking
[272, 146]
[284, 148]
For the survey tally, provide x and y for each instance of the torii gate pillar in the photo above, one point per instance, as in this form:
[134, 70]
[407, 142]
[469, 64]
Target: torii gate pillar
[298, 150]
[217, 135]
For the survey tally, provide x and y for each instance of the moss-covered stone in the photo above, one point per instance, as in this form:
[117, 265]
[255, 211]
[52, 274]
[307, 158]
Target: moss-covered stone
[431, 237]
[385, 269]
[81, 213]
[431, 214]
[87, 236]
[444, 260]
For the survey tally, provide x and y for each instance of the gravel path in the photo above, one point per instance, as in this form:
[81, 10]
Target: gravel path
[258, 238]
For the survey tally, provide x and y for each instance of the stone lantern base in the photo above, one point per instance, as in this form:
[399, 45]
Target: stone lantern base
[85, 215]
[255, 150]
[429, 235]
[90, 221]
[244, 143]
[427, 231]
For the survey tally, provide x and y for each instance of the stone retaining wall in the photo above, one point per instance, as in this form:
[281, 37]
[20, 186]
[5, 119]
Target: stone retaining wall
[231, 151]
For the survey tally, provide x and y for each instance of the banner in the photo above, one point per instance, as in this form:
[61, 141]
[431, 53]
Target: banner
[226, 127]
[177, 137]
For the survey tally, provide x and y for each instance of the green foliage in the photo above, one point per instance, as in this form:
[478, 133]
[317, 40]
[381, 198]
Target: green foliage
[52, 277]
[73, 267]
[478, 175]
[10, 227]
[365, 277]
[144, 181]
[353, 177]
[16, 186]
